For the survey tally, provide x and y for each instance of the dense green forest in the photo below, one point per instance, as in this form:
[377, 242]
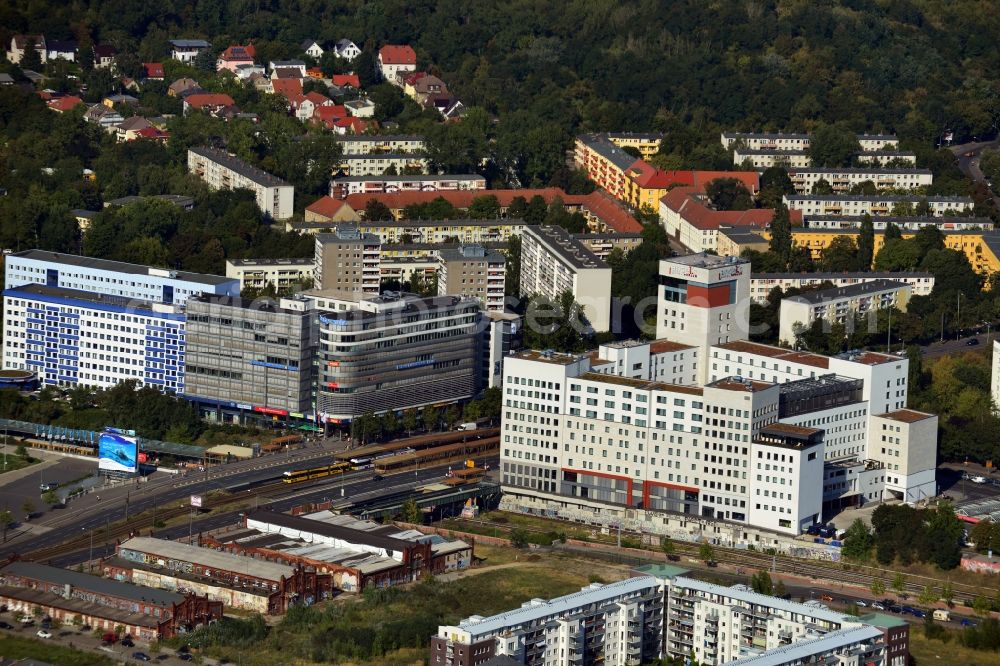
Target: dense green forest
[917, 67]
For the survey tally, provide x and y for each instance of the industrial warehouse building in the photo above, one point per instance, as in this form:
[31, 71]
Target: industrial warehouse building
[238, 582]
[355, 553]
[71, 596]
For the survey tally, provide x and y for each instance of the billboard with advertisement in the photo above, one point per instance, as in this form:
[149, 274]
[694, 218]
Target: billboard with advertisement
[118, 452]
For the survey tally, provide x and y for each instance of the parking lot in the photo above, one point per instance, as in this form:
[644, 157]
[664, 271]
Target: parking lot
[56, 469]
[80, 639]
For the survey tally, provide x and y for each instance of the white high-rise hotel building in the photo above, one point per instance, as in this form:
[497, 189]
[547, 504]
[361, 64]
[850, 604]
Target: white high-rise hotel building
[705, 424]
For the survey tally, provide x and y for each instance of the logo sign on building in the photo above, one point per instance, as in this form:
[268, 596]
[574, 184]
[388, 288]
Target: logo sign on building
[196, 501]
[118, 452]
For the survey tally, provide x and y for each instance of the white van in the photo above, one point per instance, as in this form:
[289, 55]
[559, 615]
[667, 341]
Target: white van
[942, 615]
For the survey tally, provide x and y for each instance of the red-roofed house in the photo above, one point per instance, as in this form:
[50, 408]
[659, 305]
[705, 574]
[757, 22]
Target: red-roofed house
[602, 212]
[152, 71]
[328, 115]
[152, 134]
[63, 104]
[234, 56]
[328, 209]
[288, 88]
[687, 216]
[319, 99]
[393, 59]
[210, 102]
[346, 80]
[351, 125]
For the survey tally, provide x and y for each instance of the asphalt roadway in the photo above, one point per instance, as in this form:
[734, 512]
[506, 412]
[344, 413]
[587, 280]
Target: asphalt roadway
[96, 510]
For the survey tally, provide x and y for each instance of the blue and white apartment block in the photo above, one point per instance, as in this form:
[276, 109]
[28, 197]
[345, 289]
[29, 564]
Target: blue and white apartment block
[77, 320]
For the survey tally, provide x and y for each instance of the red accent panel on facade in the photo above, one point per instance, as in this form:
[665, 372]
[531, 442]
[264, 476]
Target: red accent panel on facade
[604, 475]
[646, 485]
[707, 297]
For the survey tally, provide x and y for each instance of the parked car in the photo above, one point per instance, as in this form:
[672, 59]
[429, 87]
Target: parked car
[185, 656]
[966, 622]
[972, 342]
[127, 641]
[860, 603]
[919, 613]
[141, 656]
[48, 486]
[42, 633]
[826, 597]
[4, 625]
[877, 606]
[907, 609]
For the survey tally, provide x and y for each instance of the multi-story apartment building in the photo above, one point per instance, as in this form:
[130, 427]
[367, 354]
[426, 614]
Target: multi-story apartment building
[603, 244]
[880, 204]
[364, 144]
[766, 158]
[875, 143]
[703, 300]
[112, 278]
[908, 223]
[661, 613]
[886, 157]
[348, 263]
[341, 188]
[72, 337]
[397, 351]
[505, 335]
[284, 275]
[474, 271]
[842, 180]
[839, 305]
[604, 162]
[443, 231]
[647, 143]
[765, 141]
[688, 216]
[981, 247]
[553, 262]
[376, 164]
[250, 358]
[761, 284]
[221, 170]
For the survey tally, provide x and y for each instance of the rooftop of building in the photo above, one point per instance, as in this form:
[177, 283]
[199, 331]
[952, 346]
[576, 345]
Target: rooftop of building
[281, 261]
[610, 236]
[600, 144]
[90, 263]
[219, 561]
[868, 357]
[826, 275]
[262, 304]
[769, 151]
[181, 200]
[906, 416]
[537, 609]
[82, 581]
[547, 356]
[34, 289]
[569, 249]
[306, 525]
[641, 384]
[764, 135]
[642, 136]
[237, 165]
[471, 253]
[739, 384]
[747, 596]
[805, 358]
[348, 233]
[661, 570]
[459, 222]
[78, 607]
[801, 651]
[741, 235]
[876, 286]
[664, 346]
[882, 620]
[789, 429]
[902, 219]
[705, 260]
[380, 138]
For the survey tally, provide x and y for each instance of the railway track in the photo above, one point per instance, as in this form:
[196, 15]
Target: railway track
[146, 520]
[861, 575]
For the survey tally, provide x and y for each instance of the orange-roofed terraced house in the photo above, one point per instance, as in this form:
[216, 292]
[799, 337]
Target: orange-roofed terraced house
[701, 425]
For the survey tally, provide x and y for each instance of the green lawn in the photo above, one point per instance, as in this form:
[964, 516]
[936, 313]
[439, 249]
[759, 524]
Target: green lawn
[16, 647]
[926, 651]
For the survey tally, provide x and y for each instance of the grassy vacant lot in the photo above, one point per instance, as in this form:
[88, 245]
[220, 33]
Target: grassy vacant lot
[393, 626]
[926, 651]
[16, 647]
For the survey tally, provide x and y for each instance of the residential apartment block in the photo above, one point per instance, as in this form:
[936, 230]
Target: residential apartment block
[884, 204]
[604, 162]
[474, 271]
[443, 231]
[647, 143]
[283, 275]
[842, 180]
[766, 158]
[250, 357]
[83, 338]
[761, 284]
[661, 613]
[397, 351]
[112, 278]
[376, 164]
[945, 223]
[553, 262]
[222, 170]
[765, 141]
[886, 157]
[341, 188]
[839, 305]
[364, 144]
[688, 216]
[347, 263]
